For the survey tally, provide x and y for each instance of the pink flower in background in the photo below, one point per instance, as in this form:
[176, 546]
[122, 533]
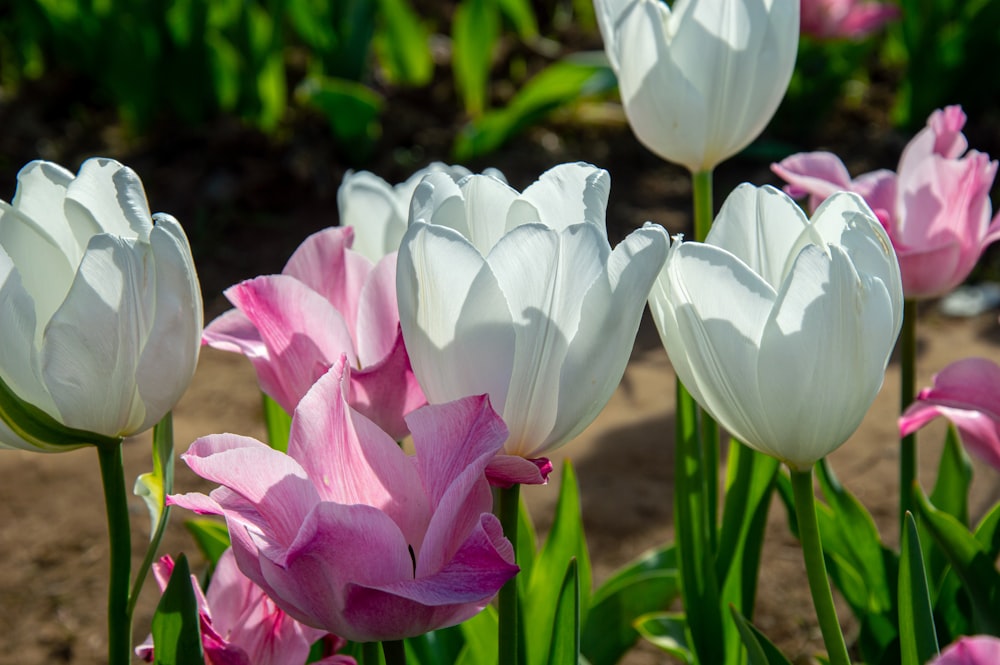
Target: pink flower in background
[349, 534]
[936, 207]
[844, 19]
[967, 393]
[328, 301]
[976, 650]
[240, 625]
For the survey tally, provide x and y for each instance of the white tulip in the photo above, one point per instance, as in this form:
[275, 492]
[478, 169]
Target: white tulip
[780, 326]
[520, 296]
[102, 311]
[377, 211]
[700, 81]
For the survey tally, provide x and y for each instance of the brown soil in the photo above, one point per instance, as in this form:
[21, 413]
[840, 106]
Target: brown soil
[247, 202]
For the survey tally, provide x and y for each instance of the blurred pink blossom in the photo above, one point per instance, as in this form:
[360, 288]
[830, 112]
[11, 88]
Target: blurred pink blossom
[975, 650]
[844, 19]
[242, 626]
[349, 534]
[328, 300]
[967, 393]
[936, 207]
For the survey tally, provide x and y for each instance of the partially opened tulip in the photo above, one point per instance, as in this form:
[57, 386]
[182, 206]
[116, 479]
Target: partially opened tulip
[328, 301]
[240, 625]
[936, 207]
[781, 326]
[520, 296]
[101, 308]
[974, 650]
[845, 19]
[378, 211]
[349, 534]
[700, 79]
[967, 393]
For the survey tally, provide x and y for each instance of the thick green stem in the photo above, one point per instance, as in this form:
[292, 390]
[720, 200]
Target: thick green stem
[116, 503]
[394, 651]
[819, 584]
[371, 653]
[508, 602]
[701, 185]
[907, 393]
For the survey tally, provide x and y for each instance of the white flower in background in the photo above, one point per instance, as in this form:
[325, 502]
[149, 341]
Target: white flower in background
[781, 326]
[701, 80]
[521, 296]
[378, 211]
[102, 311]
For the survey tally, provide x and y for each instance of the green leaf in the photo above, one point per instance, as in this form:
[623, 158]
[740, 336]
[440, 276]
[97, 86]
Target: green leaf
[668, 631]
[211, 536]
[527, 546]
[917, 635]
[970, 561]
[176, 625]
[646, 585]
[403, 44]
[278, 424]
[951, 491]
[437, 646]
[480, 634]
[760, 650]
[565, 647]
[566, 541]
[475, 30]
[522, 16]
[351, 109]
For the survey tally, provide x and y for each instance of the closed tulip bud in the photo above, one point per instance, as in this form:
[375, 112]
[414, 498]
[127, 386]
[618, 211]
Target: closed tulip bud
[101, 308]
[781, 326]
[701, 79]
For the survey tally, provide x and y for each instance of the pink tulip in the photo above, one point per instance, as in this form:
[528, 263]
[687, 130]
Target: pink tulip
[936, 207]
[349, 534]
[844, 19]
[976, 650]
[967, 393]
[240, 625]
[328, 301]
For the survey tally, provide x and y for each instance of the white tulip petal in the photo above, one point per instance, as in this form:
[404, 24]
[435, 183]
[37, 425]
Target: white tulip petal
[564, 195]
[111, 195]
[40, 197]
[43, 266]
[608, 13]
[438, 200]
[593, 368]
[170, 354]
[375, 211]
[721, 307]
[486, 199]
[759, 226]
[456, 323]
[93, 341]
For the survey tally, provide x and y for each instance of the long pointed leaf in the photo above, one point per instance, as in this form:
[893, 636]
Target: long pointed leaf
[176, 625]
[668, 631]
[917, 636]
[760, 650]
[565, 647]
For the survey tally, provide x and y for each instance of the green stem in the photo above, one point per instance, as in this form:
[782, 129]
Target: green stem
[701, 184]
[819, 584]
[371, 653]
[163, 465]
[116, 503]
[394, 651]
[508, 601]
[907, 393]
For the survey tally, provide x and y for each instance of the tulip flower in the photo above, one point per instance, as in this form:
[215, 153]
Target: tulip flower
[328, 300]
[240, 625]
[701, 79]
[845, 19]
[347, 533]
[378, 211]
[936, 207]
[521, 297]
[967, 393]
[781, 326]
[975, 650]
[101, 308]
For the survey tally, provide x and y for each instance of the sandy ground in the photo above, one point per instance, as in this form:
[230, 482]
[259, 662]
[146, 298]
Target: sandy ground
[52, 529]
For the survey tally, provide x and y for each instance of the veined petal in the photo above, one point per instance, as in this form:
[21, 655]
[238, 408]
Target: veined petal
[40, 197]
[375, 211]
[759, 226]
[487, 201]
[438, 200]
[378, 313]
[387, 391]
[232, 331]
[101, 330]
[170, 354]
[564, 195]
[600, 349]
[455, 320]
[817, 174]
[125, 213]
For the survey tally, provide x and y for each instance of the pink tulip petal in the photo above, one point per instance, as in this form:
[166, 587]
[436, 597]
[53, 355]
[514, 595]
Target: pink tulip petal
[323, 263]
[508, 470]
[303, 333]
[931, 272]
[976, 650]
[878, 189]
[387, 391]
[378, 313]
[232, 331]
[817, 174]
